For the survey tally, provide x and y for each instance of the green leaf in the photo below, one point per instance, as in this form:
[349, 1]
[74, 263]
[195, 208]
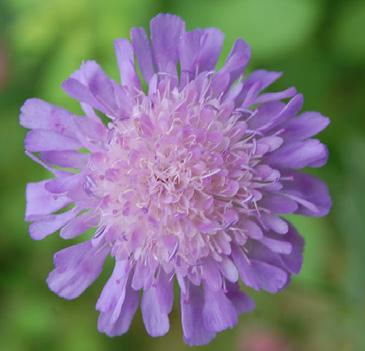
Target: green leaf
[272, 28]
[348, 41]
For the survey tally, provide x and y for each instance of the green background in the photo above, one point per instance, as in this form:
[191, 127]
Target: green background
[320, 46]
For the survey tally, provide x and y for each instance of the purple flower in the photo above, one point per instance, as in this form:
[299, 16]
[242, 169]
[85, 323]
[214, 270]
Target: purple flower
[186, 183]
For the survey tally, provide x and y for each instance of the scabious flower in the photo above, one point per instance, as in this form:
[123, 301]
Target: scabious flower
[185, 184]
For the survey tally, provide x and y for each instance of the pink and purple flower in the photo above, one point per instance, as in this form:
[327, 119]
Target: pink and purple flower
[186, 184]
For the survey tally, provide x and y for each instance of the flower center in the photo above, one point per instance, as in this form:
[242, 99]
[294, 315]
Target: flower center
[170, 177]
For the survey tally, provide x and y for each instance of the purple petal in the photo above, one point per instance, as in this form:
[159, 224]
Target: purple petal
[127, 312]
[156, 304]
[155, 320]
[218, 312]
[39, 114]
[260, 252]
[166, 33]
[142, 49]
[254, 84]
[64, 183]
[90, 131]
[278, 246]
[300, 154]
[143, 274]
[118, 302]
[74, 88]
[265, 115]
[237, 59]
[79, 225]
[212, 275]
[92, 86]
[290, 92]
[125, 58]
[195, 332]
[164, 292]
[199, 51]
[288, 111]
[228, 269]
[48, 225]
[310, 192]
[278, 204]
[113, 294]
[46, 140]
[304, 126]
[293, 261]
[41, 202]
[240, 300]
[290, 262]
[271, 143]
[258, 274]
[67, 158]
[76, 268]
[265, 78]
[275, 223]
[252, 230]
[234, 66]
[230, 189]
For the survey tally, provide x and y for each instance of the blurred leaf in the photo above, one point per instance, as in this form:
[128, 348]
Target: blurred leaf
[66, 59]
[272, 28]
[316, 235]
[350, 218]
[66, 32]
[348, 41]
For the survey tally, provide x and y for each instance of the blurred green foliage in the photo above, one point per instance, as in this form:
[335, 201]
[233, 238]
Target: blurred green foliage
[319, 45]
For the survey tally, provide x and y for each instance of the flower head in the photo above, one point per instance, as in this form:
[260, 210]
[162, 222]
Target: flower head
[186, 182]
